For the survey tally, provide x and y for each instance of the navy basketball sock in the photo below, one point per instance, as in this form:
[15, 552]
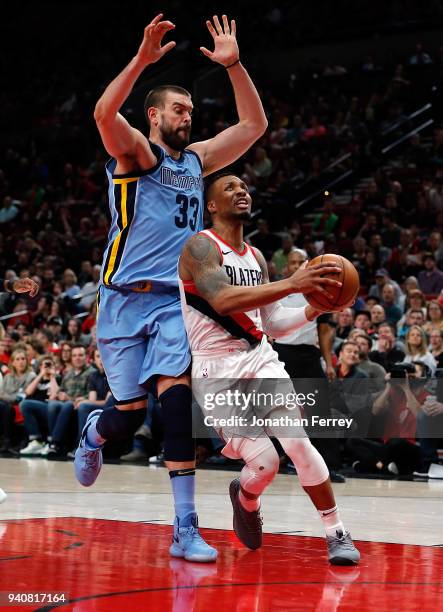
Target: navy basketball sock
[183, 489]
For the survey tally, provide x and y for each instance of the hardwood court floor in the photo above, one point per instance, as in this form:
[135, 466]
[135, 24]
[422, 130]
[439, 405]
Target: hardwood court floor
[106, 547]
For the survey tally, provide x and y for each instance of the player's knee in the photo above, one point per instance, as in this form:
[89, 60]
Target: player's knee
[261, 470]
[176, 403]
[310, 465]
[117, 424]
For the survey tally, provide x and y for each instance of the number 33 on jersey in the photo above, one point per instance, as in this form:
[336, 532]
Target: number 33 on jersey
[153, 213]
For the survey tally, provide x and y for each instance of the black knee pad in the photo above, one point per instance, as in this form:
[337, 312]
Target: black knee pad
[179, 443]
[114, 424]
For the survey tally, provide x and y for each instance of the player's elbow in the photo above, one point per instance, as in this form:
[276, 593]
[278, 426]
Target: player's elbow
[257, 129]
[100, 114]
[222, 307]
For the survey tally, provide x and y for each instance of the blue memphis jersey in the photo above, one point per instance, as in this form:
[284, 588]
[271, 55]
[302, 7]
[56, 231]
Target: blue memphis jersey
[153, 213]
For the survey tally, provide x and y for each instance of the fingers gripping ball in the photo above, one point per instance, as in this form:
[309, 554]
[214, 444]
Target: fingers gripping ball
[342, 296]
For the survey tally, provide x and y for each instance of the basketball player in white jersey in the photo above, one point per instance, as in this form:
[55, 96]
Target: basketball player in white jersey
[228, 308]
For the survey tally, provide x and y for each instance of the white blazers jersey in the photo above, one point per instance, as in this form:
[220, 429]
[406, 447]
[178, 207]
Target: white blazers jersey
[210, 332]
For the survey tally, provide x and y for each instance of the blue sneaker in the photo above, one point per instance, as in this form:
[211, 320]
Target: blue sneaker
[187, 543]
[88, 461]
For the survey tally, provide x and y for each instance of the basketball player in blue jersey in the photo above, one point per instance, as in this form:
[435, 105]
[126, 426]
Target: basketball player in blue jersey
[156, 201]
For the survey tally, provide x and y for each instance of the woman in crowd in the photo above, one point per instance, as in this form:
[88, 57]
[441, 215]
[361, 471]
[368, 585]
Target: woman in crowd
[74, 332]
[13, 391]
[417, 348]
[38, 420]
[434, 318]
[64, 358]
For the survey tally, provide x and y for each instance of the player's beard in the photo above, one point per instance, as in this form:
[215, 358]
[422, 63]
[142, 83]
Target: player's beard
[177, 139]
[243, 216]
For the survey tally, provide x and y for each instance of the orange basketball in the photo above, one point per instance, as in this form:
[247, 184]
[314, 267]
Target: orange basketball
[342, 295]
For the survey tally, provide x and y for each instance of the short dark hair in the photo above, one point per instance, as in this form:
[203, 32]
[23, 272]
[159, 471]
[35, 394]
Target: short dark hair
[156, 97]
[387, 324]
[213, 178]
[77, 345]
[367, 337]
[348, 343]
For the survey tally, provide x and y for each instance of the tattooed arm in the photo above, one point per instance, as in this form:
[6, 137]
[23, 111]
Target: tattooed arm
[200, 262]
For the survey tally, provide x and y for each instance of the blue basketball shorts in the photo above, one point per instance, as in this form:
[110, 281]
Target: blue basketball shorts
[140, 336]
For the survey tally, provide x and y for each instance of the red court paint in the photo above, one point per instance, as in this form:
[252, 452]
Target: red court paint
[112, 565]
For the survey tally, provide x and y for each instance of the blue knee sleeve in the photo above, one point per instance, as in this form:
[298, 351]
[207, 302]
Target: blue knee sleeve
[176, 403]
[114, 424]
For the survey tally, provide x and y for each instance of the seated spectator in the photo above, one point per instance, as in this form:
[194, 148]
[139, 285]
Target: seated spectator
[46, 338]
[367, 269]
[382, 253]
[13, 391]
[417, 348]
[434, 319]
[370, 301]
[34, 407]
[349, 392]
[70, 287]
[99, 395]
[345, 320]
[436, 346]
[55, 326]
[89, 289]
[64, 357]
[90, 321]
[326, 221]
[420, 57]
[372, 369]
[280, 257]
[363, 320]
[73, 389]
[409, 285]
[261, 168]
[392, 311]
[430, 279]
[399, 406]
[381, 278]
[414, 316]
[6, 343]
[378, 316]
[386, 352]
[34, 351]
[415, 299]
[390, 235]
[41, 314]
[74, 333]
[396, 410]
[360, 252]
[430, 437]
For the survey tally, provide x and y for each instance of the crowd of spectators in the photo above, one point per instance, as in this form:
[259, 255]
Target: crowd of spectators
[54, 223]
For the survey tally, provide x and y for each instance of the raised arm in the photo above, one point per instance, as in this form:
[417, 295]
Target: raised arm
[120, 139]
[200, 262]
[232, 143]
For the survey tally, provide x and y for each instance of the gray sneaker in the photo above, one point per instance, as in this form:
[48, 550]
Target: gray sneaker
[137, 454]
[341, 549]
[247, 525]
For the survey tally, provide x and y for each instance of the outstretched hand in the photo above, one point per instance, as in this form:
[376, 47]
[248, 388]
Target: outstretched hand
[26, 285]
[225, 42]
[150, 50]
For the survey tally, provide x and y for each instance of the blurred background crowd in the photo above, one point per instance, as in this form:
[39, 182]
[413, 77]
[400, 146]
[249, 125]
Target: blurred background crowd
[352, 163]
